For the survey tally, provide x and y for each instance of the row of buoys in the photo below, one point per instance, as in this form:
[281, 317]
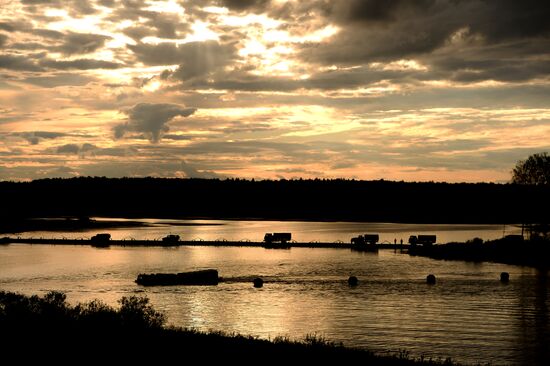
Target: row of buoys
[353, 281]
[430, 279]
[504, 277]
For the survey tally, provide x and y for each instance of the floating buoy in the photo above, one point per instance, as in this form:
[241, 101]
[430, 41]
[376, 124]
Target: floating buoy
[430, 279]
[352, 281]
[504, 277]
[258, 282]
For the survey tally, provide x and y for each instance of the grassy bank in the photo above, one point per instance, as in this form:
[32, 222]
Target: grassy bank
[47, 328]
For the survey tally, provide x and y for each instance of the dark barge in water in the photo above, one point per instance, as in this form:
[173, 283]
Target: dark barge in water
[207, 277]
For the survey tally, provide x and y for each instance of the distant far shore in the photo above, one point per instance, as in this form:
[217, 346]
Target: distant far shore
[295, 200]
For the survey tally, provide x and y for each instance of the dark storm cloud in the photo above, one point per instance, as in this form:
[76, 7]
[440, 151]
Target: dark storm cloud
[388, 30]
[3, 39]
[128, 10]
[15, 25]
[29, 46]
[87, 149]
[80, 43]
[83, 7]
[18, 63]
[34, 137]
[27, 27]
[510, 72]
[174, 137]
[166, 25]
[375, 10]
[161, 25]
[451, 97]
[76, 149]
[251, 83]
[76, 8]
[48, 33]
[249, 5]
[68, 149]
[326, 80]
[506, 19]
[359, 42]
[106, 3]
[511, 62]
[138, 32]
[115, 151]
[61, 79]
[356, 77]
[151, 23]
[194, 58]
[80, 64]
[151, 119]
[11, 119]
[40, 2]
[69, 43]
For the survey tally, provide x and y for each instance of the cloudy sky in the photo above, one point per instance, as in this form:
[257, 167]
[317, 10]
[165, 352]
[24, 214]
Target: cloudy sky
[443, 90]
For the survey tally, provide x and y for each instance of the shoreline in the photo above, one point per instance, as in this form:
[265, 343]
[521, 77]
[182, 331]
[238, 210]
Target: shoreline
[508, 250]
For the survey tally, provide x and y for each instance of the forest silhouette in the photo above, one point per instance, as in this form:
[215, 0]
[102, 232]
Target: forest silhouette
[345, 200]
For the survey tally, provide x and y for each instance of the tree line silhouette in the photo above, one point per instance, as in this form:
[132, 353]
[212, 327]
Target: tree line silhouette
[353, 200]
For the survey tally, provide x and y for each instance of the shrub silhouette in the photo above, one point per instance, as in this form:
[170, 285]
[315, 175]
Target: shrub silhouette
[136, 313]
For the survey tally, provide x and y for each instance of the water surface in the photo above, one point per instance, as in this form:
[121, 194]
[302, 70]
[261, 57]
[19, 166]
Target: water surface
[468, 315]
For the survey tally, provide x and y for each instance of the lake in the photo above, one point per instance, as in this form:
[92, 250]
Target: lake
[468, 315]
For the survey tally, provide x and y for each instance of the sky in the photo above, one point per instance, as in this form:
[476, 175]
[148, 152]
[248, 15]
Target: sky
[427, 90]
